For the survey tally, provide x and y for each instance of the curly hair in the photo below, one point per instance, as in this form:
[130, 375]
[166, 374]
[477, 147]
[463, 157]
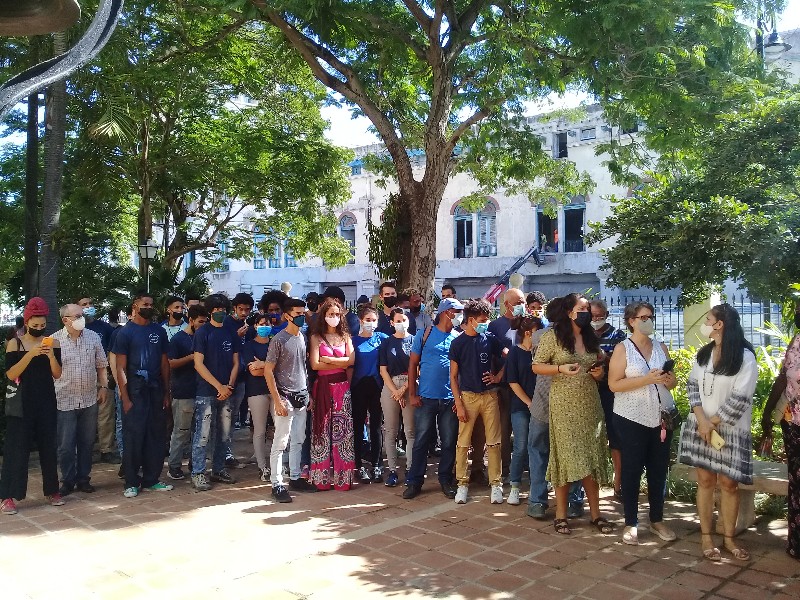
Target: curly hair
[320, 327]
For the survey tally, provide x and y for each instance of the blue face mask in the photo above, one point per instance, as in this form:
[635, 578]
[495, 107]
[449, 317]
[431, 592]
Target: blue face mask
[89, 311]
[519, 310]
[263, 330]
[482, 327]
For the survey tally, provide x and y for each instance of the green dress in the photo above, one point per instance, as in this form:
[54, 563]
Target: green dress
[578, 442]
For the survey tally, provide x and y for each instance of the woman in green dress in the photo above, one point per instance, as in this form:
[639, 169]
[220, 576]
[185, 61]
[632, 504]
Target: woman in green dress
[570, 353]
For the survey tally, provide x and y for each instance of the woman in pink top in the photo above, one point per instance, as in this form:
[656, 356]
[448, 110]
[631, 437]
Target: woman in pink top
[331, 355]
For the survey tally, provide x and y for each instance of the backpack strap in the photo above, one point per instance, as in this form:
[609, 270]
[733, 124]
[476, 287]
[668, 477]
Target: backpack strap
[425, 336]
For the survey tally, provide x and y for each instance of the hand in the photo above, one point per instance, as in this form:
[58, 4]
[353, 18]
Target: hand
[256, 367]
[570, 369]
[490, 379]
[101, 395]
[597, 373]
[656, 376]
[242, 330]
[767, 424]
[167, 400]
[704, 428]
[47, 350]
[126, 405]
[461, 412]
[224, 392]
[280, 408]
[416, 401]
[715, 420]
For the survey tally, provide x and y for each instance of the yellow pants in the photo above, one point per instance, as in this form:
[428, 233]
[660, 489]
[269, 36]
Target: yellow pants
[486, 405]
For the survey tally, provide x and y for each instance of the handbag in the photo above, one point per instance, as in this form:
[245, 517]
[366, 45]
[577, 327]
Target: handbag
[14, 393]
[296, 399]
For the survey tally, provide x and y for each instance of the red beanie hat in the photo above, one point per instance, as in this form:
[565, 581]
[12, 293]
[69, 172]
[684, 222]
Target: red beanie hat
[36, 307]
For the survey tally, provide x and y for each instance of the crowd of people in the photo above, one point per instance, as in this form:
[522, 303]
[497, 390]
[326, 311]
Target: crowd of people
[550, 387]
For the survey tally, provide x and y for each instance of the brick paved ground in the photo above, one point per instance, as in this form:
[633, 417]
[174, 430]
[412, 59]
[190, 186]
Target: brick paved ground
[234, 542]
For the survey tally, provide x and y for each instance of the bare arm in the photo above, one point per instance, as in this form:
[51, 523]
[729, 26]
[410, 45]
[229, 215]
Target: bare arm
[461, 412]
[122, 381]
[22, 364]
[272, 386]
[234, 370]
[223, 391]
[517, 389]
[176, 363]
[413, 373]
[387, 380]
[165, 379]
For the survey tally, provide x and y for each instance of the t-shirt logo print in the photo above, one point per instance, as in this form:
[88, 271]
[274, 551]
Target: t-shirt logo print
[226, 346]
[154, 338]
[484, 356]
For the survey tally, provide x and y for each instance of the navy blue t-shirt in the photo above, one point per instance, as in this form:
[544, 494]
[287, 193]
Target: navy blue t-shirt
[217, 345]
[104, 330]
[183, 380]
[518, 370]
[393, 354]
[143, 345]
[473, 355]
[366, 362]
[254, 385]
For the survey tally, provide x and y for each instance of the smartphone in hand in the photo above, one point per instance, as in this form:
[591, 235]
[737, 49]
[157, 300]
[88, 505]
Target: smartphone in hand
[668, 366]
[597, 363]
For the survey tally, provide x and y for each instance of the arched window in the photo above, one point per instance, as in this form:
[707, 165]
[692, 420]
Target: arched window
[347, 230]
[475, 230]
[463, 233]
[487, 230]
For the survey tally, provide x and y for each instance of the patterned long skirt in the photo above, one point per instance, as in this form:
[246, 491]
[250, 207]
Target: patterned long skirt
[332, 447]
[791, 441]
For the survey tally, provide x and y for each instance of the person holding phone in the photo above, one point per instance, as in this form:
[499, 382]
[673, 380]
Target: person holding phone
[578, 442]
[721, 387]
[640, 376]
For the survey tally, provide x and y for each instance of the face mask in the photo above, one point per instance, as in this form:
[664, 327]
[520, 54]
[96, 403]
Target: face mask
[369, 326]
[482, 327]
[401, 327]
[582, 319]
[312, 306]
[333, 321]
[646, 327]
[598, 325]
[90, 311]
[458, 319]
[35, 332]
[178, 316]
[519, 310]
[263, 330]
[78, 324]
[390, 302]
[299, 320]
[706, 330]
[274, 316]
[219, 317]
[147, 313]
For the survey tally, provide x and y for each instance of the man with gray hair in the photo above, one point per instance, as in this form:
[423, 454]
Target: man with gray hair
[82, 385]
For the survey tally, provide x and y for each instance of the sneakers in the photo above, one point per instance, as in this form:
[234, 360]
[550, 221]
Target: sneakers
[662, 531]
[8, 507]
[391, 480]
[200, 483]
[377, 475]
[461, 494]
[412, 491]
[222, 476]
[305, 472]
[364, 476]
[231, 462]
[121, 473]
[497, 495]
[513, 496]
[85, 487]
[302, 485]
[266, 474]
[537, 510]
[575, 511]
[55, 500]
[449, 489]
[176, 474]
[131, 492]
[160, 487]
[630, 536]
[281, 494]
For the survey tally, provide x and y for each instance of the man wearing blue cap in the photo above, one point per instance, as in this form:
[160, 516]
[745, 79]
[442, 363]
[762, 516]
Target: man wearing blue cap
[433, 398]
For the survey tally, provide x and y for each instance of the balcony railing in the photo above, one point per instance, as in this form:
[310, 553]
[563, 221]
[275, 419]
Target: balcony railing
[574, 246]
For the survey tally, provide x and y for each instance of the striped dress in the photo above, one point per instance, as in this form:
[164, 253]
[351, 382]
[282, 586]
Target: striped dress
[731, 398]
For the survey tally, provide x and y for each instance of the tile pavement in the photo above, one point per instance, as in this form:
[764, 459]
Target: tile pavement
[234, 542]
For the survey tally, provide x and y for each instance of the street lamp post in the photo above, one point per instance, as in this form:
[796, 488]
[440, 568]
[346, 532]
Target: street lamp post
[147, 252]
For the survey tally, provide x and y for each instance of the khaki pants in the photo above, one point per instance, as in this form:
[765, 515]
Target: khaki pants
[106, 424]
[486, 406]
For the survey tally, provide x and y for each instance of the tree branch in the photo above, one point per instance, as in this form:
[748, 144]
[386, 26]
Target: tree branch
[470, 15]
[476, 118]
[212, 41]
[402, 35]
[420, 15]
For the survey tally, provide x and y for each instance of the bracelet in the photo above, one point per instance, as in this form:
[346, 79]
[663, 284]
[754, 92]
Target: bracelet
[558, 369]
[102, 387]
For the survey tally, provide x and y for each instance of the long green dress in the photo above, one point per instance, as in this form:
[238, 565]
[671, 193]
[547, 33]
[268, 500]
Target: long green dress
[578, 442]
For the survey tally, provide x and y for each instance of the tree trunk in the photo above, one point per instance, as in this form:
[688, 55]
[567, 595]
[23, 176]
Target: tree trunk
[31, 251]
[56, 123]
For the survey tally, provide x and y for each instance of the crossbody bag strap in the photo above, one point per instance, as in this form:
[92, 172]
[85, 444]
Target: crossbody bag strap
[658, 392]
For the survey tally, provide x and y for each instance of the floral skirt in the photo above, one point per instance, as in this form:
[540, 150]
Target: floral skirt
[791, 441]
[332, 446]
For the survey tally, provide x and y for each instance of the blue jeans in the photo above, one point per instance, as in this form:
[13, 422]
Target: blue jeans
[182, 411]
[235, 401]
[425, 421]
[76, 433]
[520, 423]
[538, 457]
[118, 433]
[212, 427]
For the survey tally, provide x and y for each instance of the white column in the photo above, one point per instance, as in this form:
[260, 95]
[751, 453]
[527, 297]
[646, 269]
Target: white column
[562, 230]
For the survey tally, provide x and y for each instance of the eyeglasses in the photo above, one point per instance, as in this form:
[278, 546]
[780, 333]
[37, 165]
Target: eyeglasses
[73, 316]
[644, 318]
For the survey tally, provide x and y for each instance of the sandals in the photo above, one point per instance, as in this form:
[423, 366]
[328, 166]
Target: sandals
[713, 554]
[562, 526]
[738, 552]
[604, 526]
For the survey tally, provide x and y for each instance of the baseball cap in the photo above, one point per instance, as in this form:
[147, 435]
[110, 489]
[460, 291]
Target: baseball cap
[447, 304]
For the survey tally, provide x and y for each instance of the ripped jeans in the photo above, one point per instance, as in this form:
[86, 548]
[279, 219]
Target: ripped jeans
[212, 426]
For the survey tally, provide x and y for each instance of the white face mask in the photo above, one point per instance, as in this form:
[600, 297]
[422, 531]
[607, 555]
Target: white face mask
[333, 321]
[401, 327]
[646, 327]
[369, 326]
[598, 325]
[79, 323]
[706, 330]
[458, 319]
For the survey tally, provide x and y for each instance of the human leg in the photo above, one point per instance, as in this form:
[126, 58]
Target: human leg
[634, 445]
[67, 421]
[729, 509]
[283, 427]
[154, 435]
[297, 436]
[222, 438]
[791, 442]
[520, 423]
[85, 433]
[105, 426]
[182, 411]
[391, 421]
[360, 399]
[538, 456]
[493, 422]
[375, 426]
[201, 433]
[472, 404]
[425, 427]
[16, 451]
[706, 482]
[448, 432]
[504, 403]
[233, 402]
[259, 409]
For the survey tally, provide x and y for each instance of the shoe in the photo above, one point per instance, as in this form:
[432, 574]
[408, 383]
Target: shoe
[8, 507]
[630, 536]
[461, 494]
[121, 473]
[497, 494]
[176, 474]
[575, 511]
[305, 472]
[160, 487]
[363, 475]
[200, 483]
[266, 474]
[537, 510]
[412, 491]
[131, 492]
[513, 496]
[65, 489]
[391, 480]
[111, 458]
[55, 499]
[664, 532]
[449, 490]
[377, 475]
[302, 485]
[281, 494]
[85, 487]
[237, 425]
[231, 462]
[222, 476]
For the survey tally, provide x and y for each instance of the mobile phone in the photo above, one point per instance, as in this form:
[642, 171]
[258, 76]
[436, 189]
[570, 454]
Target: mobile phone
[597, 363]
[716, 440]
[668, 366]
[47, 341]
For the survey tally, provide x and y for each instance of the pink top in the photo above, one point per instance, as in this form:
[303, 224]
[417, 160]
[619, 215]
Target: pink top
[326, 349]
[792, 365]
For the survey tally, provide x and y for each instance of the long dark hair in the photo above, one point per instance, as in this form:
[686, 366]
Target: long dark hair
[321, 325]
[524, 324]
[733, 342]
[558, 310]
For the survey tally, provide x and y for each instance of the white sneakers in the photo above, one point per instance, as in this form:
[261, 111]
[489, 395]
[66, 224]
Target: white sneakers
[497, 494]
[461, 494]
[513, 496]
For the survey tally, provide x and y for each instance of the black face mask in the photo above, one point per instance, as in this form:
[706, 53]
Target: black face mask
[178, 316]
[312, 306]
[390, 302]
[147, 313]
[797, 320]
[35, 332]
[583, 319]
